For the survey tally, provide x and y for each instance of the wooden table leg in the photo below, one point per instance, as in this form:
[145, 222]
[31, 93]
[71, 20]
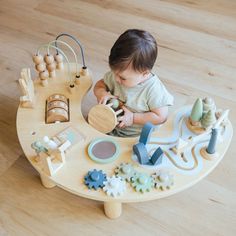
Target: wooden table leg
[112, 209]
[46, 182]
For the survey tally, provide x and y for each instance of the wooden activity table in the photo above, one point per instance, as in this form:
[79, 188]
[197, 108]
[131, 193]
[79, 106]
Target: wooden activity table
[31, 126]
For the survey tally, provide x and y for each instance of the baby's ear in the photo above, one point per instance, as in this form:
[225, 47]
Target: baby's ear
[146, 73]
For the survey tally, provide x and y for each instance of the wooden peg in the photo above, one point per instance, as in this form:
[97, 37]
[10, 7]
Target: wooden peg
[84, 71]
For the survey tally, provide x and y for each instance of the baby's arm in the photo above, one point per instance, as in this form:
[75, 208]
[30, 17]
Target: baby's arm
[101, 92]
[155, 116]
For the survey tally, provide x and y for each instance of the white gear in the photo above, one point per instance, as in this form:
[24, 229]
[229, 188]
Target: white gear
[163, 179]
[114, 186]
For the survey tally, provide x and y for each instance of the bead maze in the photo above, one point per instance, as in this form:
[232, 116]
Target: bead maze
[79, 157]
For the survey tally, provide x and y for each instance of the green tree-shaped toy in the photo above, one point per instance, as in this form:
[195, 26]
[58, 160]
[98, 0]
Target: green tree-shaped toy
[208, 119]
[197, 110]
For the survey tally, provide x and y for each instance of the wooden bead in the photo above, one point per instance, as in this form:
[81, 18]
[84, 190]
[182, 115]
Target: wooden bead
[60, 66]
[52, 74]
[58, 58]
[40, 67]
[43, 75]
[44, 82]
[37, 59]
[48, 59]
[51, 67]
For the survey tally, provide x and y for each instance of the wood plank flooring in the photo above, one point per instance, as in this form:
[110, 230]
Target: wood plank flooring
[197, 58]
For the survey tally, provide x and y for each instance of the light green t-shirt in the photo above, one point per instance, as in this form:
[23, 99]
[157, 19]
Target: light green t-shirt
[144, 97]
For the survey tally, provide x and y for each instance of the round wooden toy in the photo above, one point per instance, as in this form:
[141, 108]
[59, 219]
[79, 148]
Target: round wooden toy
[103, 150]
[103, 117]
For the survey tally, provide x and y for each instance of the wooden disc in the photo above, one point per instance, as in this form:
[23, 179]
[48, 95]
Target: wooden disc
[59, 104]
[57, 97]
[56, 114]
[194, 129]
[102, 118]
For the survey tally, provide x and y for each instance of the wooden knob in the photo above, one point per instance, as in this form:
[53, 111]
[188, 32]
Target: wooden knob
[43, 75]
[58, 58]
[37, 59]
[51, 67]
[40, 67]
[48, 59]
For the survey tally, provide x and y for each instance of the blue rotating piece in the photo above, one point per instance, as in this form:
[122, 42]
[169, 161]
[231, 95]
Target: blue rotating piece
[156, 157]
[141, 152]
[146, 133]
[95, 179]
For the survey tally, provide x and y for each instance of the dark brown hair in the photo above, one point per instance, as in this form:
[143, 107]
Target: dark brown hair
[134, 47]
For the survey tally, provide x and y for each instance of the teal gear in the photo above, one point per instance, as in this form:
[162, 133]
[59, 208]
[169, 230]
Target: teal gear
[142, 182]
[163, 180]
[126, 171]
[95, 179]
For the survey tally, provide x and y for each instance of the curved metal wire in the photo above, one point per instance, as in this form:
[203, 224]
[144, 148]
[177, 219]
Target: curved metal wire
[77, 41]
[75, 56]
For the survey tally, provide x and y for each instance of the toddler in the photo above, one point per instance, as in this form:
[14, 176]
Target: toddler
[131, 80]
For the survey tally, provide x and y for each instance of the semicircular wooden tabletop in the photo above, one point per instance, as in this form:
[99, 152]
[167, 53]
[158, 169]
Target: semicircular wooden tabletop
[31, 126]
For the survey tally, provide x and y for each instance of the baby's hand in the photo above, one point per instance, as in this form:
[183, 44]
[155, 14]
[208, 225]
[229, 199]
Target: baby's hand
[127, 119]
[103, 99]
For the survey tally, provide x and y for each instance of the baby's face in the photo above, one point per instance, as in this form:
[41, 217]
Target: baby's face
[129, 77]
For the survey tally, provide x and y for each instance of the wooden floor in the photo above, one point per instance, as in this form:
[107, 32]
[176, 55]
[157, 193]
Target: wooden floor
[197, 58]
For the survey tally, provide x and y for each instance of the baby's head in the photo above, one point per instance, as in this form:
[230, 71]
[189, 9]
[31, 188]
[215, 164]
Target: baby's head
[132, 57]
